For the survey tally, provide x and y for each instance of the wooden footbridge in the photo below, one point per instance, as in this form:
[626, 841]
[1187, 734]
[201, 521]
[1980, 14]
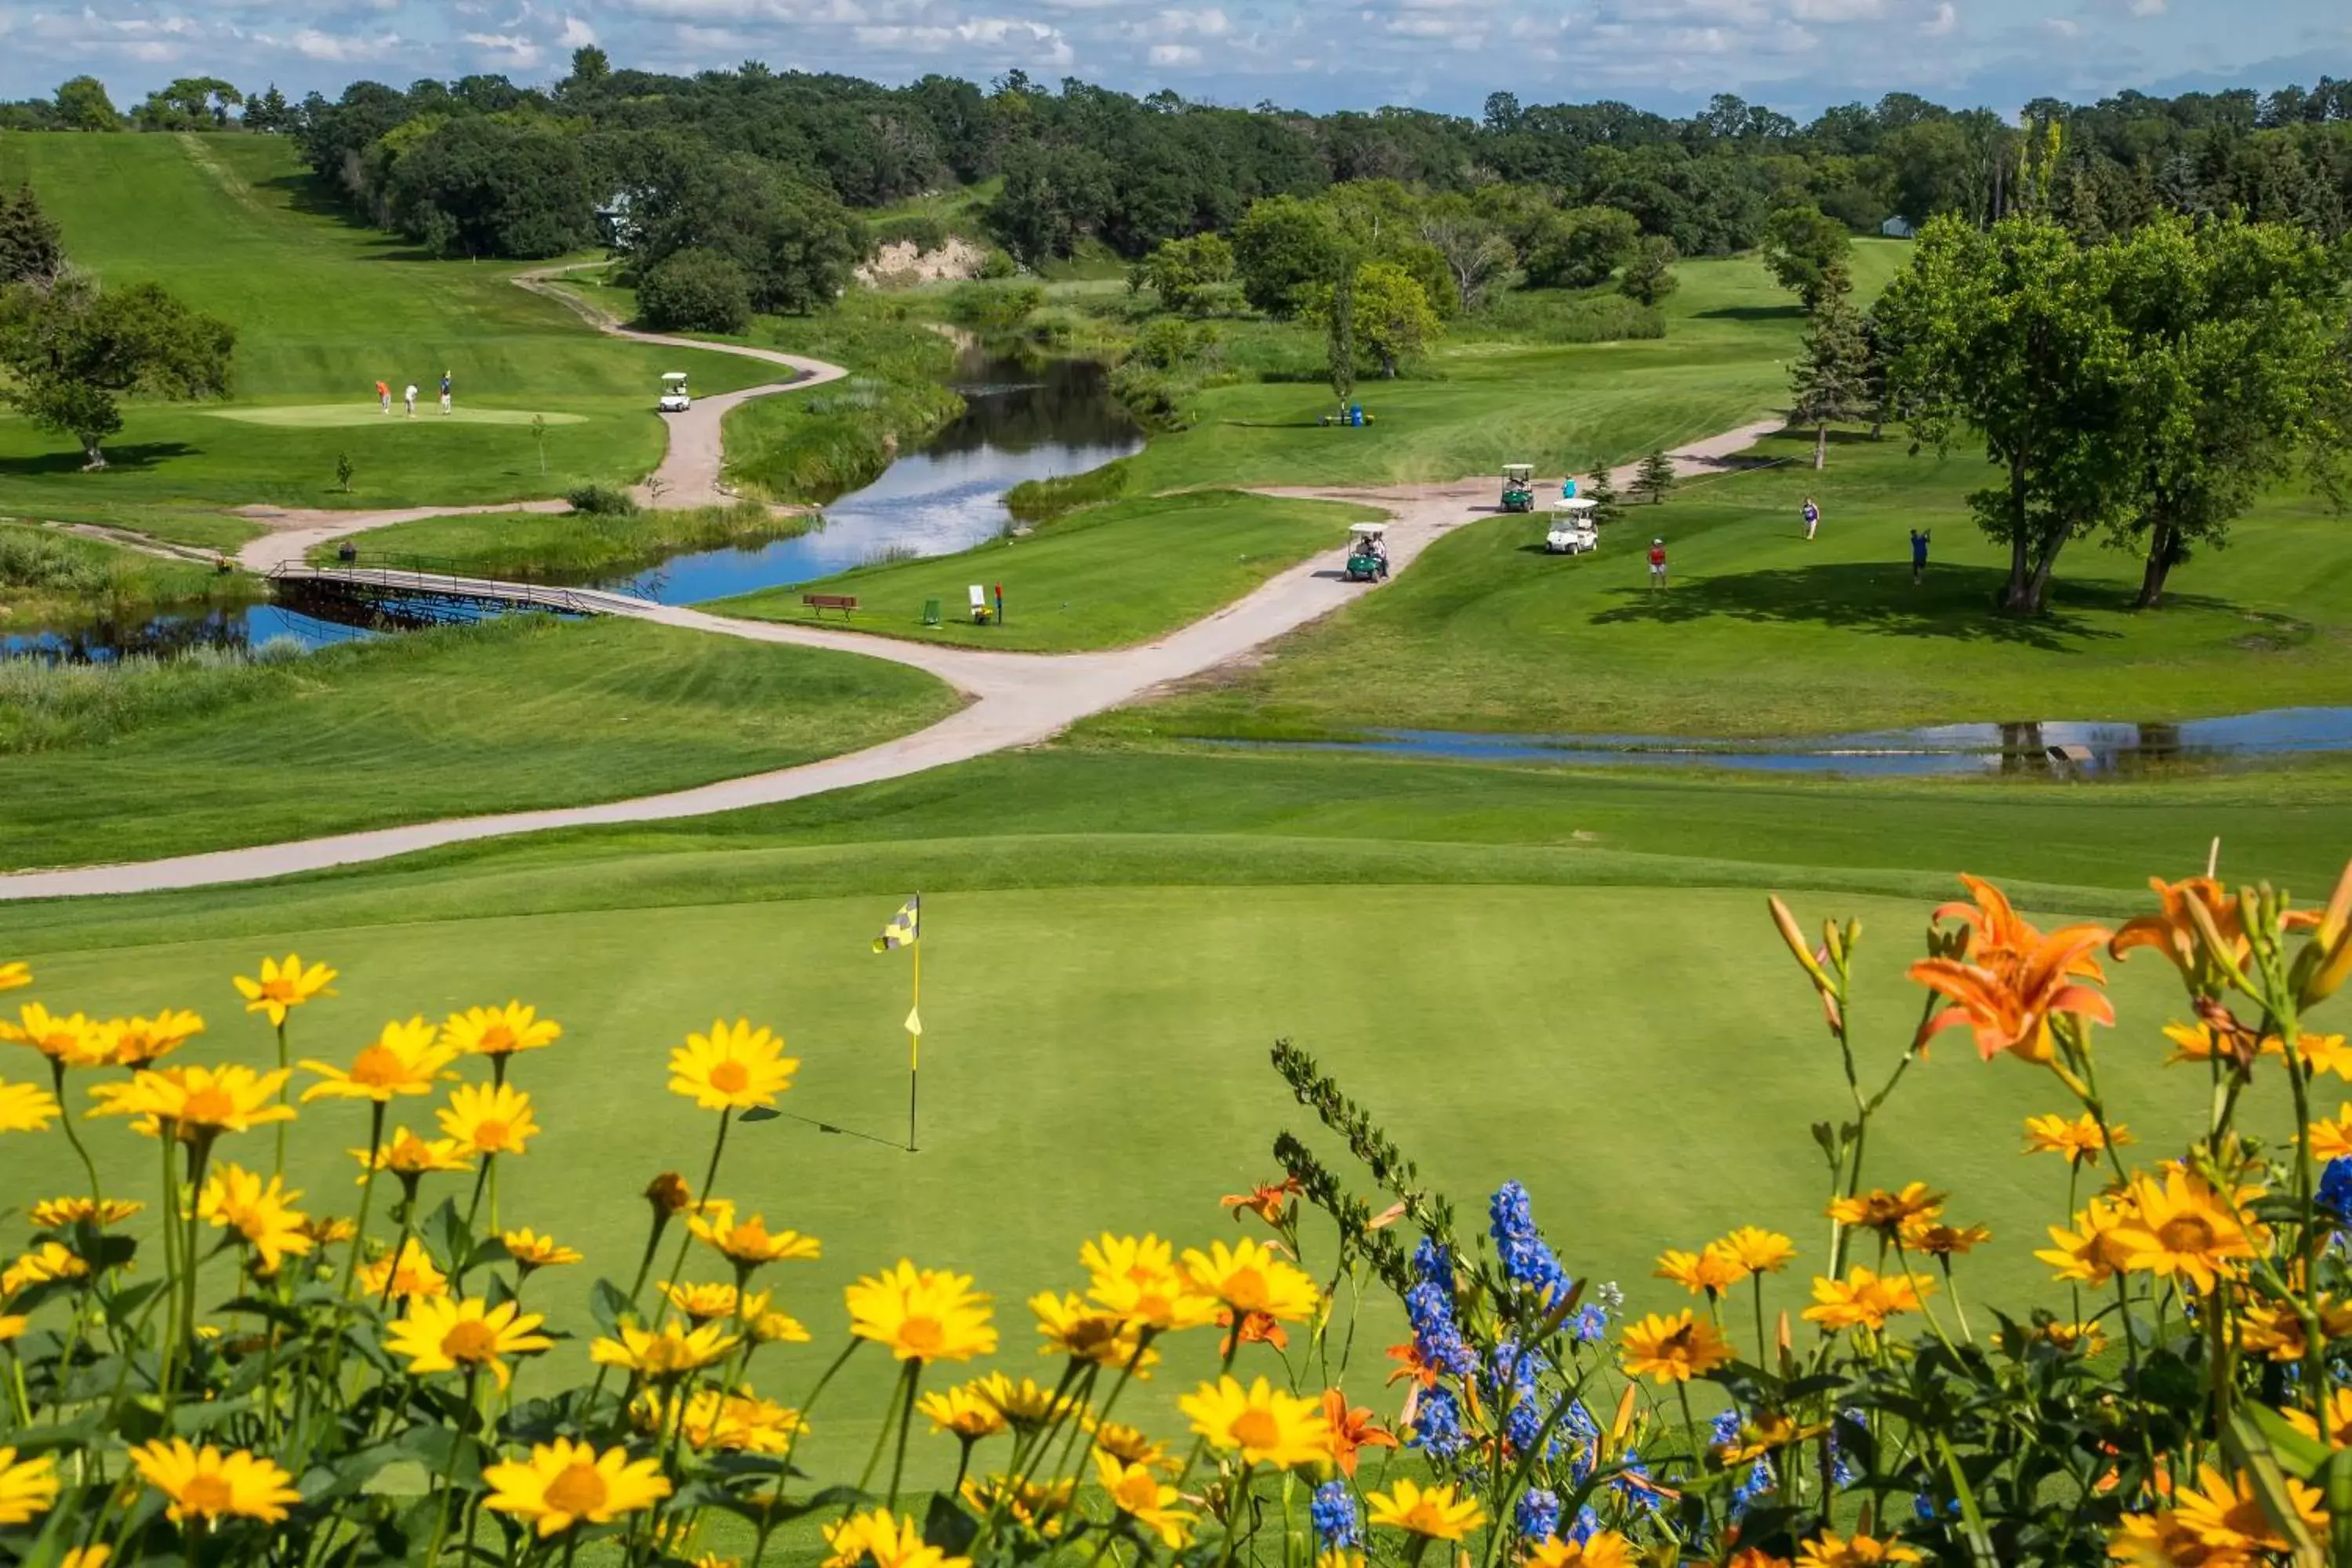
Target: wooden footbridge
[412, 591]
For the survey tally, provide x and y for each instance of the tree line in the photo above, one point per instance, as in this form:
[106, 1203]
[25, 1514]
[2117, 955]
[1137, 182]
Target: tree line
[482, 165]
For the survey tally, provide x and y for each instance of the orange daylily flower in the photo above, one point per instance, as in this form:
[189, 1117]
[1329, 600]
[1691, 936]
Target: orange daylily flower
[1410, 1365]
[2174, 931]
[1352, 1428]
[1270, 1201]
[1256, 1328]
[2012, 978]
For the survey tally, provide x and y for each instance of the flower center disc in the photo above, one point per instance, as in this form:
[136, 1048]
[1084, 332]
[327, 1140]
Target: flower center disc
[921, 1336]
[578, 1491]
[378, 1066]
[207, 1107]
[471, 1340]
[206, 1495]
[1245, 1289]
[1256, 1429]
[730, 1078]
[2185, 1233]
[492, 1135]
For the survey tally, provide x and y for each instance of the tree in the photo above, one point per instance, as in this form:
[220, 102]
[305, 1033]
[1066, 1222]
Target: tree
[2008, 334]
[481, 186]
[1655, 478]
[74, 349]
[1393, 316]
[1802, 248]
[1187, 273]
[189, 103]
[29, 246]
[267, 110]
[344, 469]
[1602, 493]
[795, 244]
[1341, 311]
[694, 290]
[1473, 246]
[1832, 378]
[2236, 335]
[1650, 270]
[1284, 250]
[1579, 250]
[590, 65]
[82, 105]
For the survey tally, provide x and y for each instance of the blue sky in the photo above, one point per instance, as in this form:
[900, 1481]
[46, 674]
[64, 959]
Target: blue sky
[1796, 55]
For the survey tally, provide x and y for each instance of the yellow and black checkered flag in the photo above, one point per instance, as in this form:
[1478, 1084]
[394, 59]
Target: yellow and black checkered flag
[905, 927]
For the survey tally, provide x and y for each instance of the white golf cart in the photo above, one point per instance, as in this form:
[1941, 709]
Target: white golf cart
[674, 399]
[1573, 531]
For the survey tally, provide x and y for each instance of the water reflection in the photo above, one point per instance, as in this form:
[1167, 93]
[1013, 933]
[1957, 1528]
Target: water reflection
[2042, 748]
[170, 631]
[1019, 423]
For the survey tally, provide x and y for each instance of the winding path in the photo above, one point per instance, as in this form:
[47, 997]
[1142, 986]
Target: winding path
[1014, 700]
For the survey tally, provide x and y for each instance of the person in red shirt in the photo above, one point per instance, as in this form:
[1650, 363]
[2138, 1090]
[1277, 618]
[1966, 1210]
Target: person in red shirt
[384, 396]
[1657, 564]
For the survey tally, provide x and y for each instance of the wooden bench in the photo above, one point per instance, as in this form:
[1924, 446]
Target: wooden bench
[845, 602]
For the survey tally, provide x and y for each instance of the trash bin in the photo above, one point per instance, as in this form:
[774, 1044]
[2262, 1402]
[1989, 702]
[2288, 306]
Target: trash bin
[930, 612]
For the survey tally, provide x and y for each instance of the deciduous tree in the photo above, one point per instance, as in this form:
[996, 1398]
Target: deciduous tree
[82, 105]
[1803, 249]
[1393, 319]
[1650, 270]
[1284, 249]
[73, 349]
[1187, 273]
[1580, 248]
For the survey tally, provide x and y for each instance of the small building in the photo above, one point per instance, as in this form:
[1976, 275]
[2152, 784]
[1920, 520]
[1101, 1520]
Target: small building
[1897, 227]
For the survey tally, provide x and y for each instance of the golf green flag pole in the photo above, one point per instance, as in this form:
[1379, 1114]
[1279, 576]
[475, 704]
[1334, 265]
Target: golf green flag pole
[906, 930]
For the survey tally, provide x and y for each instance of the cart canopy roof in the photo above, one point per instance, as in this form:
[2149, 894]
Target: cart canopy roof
[676, 375]
[1576, 508]
[1368, 530]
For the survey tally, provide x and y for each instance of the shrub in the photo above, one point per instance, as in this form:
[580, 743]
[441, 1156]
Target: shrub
[998, 264]
[695, 291]
[1042, 501]
[993, 310]
[601, 500]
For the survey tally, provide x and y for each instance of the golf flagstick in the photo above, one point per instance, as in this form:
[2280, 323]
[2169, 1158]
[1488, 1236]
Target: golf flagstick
[914, 1040]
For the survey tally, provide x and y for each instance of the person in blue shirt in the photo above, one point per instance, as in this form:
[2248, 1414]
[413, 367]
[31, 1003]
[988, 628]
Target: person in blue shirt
[1918, 554]
[1813, 516]
[445, 392]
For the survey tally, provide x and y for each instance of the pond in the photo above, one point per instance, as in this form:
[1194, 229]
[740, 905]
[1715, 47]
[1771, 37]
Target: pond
[174, 629]
[1019, 423]
[2055, 748]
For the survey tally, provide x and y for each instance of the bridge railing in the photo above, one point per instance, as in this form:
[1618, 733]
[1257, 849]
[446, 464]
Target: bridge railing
[422, 577]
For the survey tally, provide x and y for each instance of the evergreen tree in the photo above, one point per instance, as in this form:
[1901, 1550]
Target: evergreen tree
[1602, 493]
[1832, 378]
[1656, 477]
[29, 246]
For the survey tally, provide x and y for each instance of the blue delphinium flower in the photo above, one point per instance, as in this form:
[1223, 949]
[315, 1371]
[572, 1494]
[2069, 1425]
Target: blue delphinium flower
[1537, 1517]
[1333, 1513]
[2335, 1189]
[1525, 1258]
[1437, 1424]
[1592, 1325]
[1724, 1429]
[1429, 1305]
[1841, 1470]
[1586, 1525]
[1758, 1481]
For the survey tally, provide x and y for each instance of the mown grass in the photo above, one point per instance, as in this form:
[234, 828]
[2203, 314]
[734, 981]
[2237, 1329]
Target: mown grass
[564, 546]
[48, 576]
[323, 307]
[1480, 401]
[1111, 575]
[502, 716]
[1762, 632]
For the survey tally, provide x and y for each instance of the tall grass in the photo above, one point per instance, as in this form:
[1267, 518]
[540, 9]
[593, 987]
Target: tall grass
[814, 447]
[45, 706]
[566, 547]
[48, 575]
[1042, 501]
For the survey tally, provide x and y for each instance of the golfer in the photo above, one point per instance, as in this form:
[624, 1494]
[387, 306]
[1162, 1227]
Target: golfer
[1918, 554]
[445, 392]
[1813, 516]
[384, 396]
[1657, 564]
[411, 398]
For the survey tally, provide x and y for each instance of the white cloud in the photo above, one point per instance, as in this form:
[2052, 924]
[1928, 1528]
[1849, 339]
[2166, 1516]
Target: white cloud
[1838, 10]
[2062, 27]
[506, 48]
[1175, 54]
[1210, 22]
[338, 48]
[2148, 7]
[577, 34]
[1941, 24]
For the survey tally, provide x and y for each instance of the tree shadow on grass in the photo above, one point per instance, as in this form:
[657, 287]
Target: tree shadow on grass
[1752, 313]
[128, 456]
[1955, 603]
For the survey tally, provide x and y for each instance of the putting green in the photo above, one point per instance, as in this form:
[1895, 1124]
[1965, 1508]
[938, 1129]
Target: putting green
[318, 416]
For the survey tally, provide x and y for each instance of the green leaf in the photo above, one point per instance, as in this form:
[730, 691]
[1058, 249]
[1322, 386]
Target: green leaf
[608, 1304]
[2245, 1443]
[2298, 1456]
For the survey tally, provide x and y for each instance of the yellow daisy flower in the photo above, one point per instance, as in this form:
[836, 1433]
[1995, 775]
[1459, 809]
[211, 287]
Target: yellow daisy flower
[197, 1101]
[2090, 1252]
[1433, 1511]
[778, 1327]
[1130, 1445]
[1033, 1505]
[26, 1107]
[734, 1067]
[1857, 1550]
[1251, 1277]
[211, 1484]
[1757, 1250]
[27, 1488]
[564, 1483]
[488, 1119]
[704, 1302]
[2184, 1227]
[1137, 1278]
[1865, 1298]
[1709, 1271]
[748, 1241]
[138, 1042]
[532, 1250]
[1263, 1425]
[261, 1212]
[1605, 1548]
[94, 1555]
[710, 1420]
[406, 1154]
[16, 974]
[1887, 1212]
[964, 1411]
[1138, 1495]
[64, 1213]
[12, 1325]
[411, 1275]
[439, 1334]
[406, 1058]
[284, 987]
[1674, 1349]
[68, 1040]
[499, 1031]
[46, 1262]
[921, 1314]
[1081, 1332]
[1026, 1404]
[886, 1541]
[2080, 1140]
[667, 1352]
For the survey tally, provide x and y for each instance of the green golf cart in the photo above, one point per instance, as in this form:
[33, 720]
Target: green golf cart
[1518, 487]
[1368, 552]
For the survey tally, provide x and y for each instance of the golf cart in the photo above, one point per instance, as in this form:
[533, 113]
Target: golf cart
[674, 399]
[1368, 552]
[1518, 487]
[1572, 531]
